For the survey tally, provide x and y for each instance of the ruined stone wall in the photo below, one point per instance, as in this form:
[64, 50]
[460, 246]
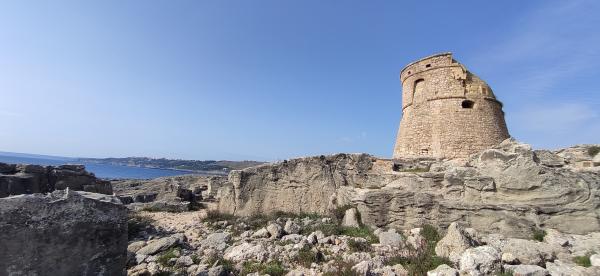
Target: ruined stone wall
[447, 112]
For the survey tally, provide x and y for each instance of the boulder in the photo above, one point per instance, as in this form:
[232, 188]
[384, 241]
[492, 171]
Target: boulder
[246, 252]
[275, 230]
[261, 233]
[63, 233]
[391, 238]
[454, 243]
[216, 241]
[291, 227]
[482, 260]
[162, 244]
[595, 259]
[526, 270]
[363, 268]
[351, 218]
[443, 270]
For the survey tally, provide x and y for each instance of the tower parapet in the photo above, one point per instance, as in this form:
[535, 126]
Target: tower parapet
[447, 112]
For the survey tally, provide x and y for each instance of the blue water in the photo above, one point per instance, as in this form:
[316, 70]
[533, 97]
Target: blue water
[100, 170]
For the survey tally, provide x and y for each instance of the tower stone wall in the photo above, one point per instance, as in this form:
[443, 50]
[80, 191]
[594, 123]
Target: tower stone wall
[447, 112]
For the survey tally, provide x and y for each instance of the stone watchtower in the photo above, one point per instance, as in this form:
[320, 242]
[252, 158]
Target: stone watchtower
[447, 112]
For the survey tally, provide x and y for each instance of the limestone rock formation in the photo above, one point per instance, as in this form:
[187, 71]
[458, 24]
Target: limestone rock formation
[507, 189]
[62, 233]
[16, 179]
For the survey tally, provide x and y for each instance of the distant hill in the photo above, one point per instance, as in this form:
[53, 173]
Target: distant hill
[221, 166]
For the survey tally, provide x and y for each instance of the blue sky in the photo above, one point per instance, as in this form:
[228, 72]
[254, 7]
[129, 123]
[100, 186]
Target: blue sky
[271, 80]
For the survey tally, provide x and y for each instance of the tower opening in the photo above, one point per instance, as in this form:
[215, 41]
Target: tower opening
[467, 104]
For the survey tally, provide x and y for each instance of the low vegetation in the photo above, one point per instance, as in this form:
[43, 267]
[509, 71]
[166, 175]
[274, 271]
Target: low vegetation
[539, 234]
[137, 223]
[583, 260]
[273, 268]
[422, 260]
[342, 268]
[593, 150]
[306, 257]
[164, 258]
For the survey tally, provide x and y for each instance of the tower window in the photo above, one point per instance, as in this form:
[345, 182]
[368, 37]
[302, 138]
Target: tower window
[467, 104]
[428, 65]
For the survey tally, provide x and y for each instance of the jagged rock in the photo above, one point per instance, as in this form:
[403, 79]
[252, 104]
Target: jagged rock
[506, 190]
[244, 252]
[135, 246]
[261, 233]
[560, 268]
[595, 259]
[527, 252]
[351, 218]
[184, 261]
[443, 270]
[217, 241]
[28, 179]
[482, 260]
[509, 258]
[391, 238]
[363, 268]
[63, 233]
[296, 238]
[160, 245]
[291, 227]
[275, 230]
[454, 243]
[526, 270]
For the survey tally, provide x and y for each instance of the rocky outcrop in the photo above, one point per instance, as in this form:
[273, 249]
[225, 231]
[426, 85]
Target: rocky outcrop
[173, 193]
[62, 233]
[509, 189]
[16, 179]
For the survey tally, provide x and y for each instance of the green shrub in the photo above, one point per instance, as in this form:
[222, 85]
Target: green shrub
[583, 260]
[359, 246]
[164, 258]
[593, 150]
[137, 223]
[274, 269]
[306, 257]
[360, 232]
[539, 234]
[504, 273]
[195, 259]
[329, 229]
[415, 170]
[214, 216]
[423, 260]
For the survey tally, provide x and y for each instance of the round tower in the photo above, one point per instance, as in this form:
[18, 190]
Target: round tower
[447, 112]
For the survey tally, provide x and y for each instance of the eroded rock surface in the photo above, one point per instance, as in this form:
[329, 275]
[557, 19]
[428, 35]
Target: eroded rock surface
[509, 189]
[62, 233]
[16, 179]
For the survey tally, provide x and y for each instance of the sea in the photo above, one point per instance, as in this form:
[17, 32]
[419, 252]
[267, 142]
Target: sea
[105, 171]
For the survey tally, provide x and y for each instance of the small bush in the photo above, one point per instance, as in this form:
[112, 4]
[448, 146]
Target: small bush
[423, 260]
[329, 229]
[504, 273]
[306, 257]
[274, 269]
[214, 216]
[583, 260]
[136, 224]
[539, 234]
[195, 259]
[415, 170]
[360, 232]
[358, 246]
[164, 258]
[228, 266]
[593, 150]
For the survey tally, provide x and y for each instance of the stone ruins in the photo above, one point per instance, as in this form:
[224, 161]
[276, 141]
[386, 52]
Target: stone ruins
[447, 112]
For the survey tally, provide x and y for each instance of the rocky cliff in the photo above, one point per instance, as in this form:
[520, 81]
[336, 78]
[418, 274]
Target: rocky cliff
[16, 179]
[510, 189]
[62, 233]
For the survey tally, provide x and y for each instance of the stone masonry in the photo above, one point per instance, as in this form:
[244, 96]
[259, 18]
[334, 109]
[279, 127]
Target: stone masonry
[447, 112]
